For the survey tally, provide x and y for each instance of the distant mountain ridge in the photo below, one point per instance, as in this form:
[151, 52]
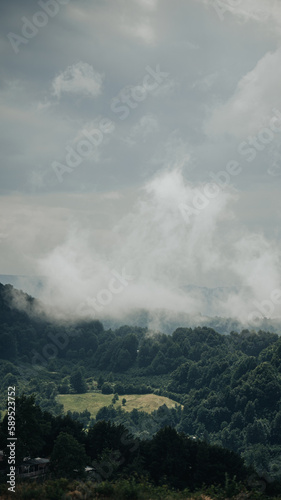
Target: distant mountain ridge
[28, 284]
[168, 321]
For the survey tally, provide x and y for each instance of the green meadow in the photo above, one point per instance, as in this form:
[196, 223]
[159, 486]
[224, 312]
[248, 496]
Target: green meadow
[93, 402]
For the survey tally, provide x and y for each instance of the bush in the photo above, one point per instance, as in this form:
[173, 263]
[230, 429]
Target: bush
[105, 488]
[56, 489]
[63, 389]
[106, 388]
[128, 490]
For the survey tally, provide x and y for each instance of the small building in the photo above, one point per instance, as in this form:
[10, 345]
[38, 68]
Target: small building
[33, 468]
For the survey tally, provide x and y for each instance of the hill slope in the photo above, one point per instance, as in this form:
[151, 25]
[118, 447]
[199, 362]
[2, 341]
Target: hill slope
[230, 385]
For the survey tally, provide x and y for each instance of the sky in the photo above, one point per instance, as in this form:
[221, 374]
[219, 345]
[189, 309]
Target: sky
[141, 153]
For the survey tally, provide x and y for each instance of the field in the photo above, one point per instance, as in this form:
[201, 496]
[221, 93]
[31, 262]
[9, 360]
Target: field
[93, 401]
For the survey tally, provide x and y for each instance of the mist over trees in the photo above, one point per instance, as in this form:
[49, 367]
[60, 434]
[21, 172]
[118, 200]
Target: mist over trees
[227, 390]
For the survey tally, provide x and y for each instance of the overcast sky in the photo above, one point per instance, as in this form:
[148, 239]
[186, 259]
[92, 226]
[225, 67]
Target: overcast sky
[145, 135]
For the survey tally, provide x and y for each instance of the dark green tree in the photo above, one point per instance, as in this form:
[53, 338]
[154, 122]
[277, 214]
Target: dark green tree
[77, 381]
[32, 428]
[105, 435]
[100, 382]
[107, 388]
[68, 458]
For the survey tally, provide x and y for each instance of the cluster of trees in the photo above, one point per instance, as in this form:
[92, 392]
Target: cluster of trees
[168, 458]
[140, 423]
[229, 385]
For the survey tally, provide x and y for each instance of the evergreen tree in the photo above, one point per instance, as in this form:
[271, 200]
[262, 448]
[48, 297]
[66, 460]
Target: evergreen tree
[77, 381]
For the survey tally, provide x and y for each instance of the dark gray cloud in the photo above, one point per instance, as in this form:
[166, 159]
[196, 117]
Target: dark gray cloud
[99, 99]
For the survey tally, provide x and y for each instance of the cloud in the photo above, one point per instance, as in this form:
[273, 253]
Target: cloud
[121, 39]
[165, 255]
[250, 107]
[80, 78]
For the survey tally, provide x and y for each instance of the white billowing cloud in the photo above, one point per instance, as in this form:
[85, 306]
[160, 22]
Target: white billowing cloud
[161, 252]
[251, 106]
[80, 78]
[258, 261]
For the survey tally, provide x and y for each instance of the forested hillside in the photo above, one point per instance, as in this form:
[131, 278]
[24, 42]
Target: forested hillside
[228, 387]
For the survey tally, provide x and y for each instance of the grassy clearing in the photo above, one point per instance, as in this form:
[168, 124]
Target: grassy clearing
[93, 401]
